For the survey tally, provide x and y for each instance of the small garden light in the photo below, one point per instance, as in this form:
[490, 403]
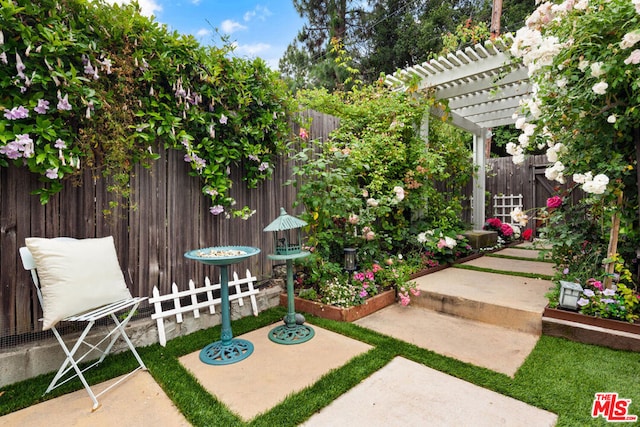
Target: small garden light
[349, 259]
[569, 295]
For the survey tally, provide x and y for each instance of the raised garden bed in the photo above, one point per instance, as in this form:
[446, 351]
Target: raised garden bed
[349, 314]
[591, 330]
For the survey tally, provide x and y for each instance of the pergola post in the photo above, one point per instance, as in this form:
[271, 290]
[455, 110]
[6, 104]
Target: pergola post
[479, 184]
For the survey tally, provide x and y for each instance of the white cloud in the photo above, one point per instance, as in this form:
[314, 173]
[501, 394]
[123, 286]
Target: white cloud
[251, 49]
[202, 33]
[147, 7]
[261, 12]
[196, 2]
[228, 26]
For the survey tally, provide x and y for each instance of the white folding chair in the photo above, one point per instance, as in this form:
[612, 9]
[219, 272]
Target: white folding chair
[70, 368]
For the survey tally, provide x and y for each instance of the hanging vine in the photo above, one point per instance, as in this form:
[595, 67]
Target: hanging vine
[90, 85]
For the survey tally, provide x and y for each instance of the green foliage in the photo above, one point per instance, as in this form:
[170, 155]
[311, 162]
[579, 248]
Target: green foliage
[119, 86]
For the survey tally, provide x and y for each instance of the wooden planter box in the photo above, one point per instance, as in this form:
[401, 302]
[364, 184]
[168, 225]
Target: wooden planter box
[591, 330]
[342, 314]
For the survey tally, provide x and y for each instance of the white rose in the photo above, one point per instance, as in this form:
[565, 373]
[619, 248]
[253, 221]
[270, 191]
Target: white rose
[450, 242]
[600, 88]
[612, 118]
[596, 69]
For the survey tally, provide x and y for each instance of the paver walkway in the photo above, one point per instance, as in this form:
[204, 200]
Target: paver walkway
[401, 393]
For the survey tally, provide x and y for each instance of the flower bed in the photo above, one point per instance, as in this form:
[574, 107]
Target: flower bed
[348, 314]
[591, 330]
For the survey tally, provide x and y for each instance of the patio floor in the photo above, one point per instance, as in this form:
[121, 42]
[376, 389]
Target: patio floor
[401, 393]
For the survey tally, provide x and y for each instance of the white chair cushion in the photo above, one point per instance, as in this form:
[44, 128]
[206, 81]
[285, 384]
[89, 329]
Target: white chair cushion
[76, 275]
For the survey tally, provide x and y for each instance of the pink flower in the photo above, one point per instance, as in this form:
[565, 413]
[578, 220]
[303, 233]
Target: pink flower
[353, 219]
[415, 292]
[554, 202]
[303, 133]
[506, 230]
[494, 222]
[442, 243]
[404, 299]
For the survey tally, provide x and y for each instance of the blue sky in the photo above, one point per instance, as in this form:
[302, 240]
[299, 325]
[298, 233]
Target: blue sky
[260, 28]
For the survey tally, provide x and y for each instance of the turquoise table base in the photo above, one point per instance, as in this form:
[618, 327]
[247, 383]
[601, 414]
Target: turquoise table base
[227, 350]
[219, 353]
[291, 332]
[296, 334]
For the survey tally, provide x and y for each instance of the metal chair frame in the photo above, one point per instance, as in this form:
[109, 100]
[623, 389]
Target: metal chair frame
[73, 355]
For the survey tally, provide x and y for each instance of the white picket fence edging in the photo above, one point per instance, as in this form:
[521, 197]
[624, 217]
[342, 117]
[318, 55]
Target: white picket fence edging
[235, 293]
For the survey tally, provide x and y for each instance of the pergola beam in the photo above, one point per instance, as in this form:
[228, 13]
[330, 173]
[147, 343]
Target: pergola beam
[482, 90]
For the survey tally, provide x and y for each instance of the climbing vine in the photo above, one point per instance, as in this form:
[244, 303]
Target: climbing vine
[85, 84]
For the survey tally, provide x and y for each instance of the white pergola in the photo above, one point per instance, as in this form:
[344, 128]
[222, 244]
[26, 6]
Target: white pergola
[482, 90]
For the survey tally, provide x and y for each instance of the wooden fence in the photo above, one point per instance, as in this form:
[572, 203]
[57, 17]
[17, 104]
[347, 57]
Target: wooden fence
[528, 179]
[169, 217]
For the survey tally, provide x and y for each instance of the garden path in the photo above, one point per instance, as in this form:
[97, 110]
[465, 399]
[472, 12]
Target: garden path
[401, 393]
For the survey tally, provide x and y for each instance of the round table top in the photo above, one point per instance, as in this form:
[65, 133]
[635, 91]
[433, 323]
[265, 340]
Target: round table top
[222, 255]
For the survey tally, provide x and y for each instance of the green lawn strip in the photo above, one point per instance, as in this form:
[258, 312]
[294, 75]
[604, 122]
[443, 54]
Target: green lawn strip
[518, 258]
[197, 405]
[507, 273]
[300, 406]
[563, 376]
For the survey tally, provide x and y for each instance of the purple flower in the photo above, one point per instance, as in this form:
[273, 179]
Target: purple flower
[216, 210]
[254, 158]
[223, 119]
[42, 107]
[609, 292]
[22, 146]
[16, 113]
[608, 301]
[263, 166]
[588, 292]
[565, 271]
[10, 150]
[582, 302]
[63, 102]
[60, 144]
[20, 67]
[52, 173]
[363, 293]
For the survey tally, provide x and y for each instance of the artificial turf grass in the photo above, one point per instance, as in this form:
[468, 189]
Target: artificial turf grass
[503, 272]
[518, 258]
[559, 375]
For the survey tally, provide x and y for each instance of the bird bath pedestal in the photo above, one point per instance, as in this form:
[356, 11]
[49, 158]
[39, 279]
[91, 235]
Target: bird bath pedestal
[291, 332]
[227, 350]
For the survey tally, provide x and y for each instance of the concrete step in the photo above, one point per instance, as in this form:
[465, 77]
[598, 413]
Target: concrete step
[507, 301]
[493, 347]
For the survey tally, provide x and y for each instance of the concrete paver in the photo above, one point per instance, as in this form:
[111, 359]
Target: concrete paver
[137, 401]
[515, 265]
[405, 393]
[499, 349]
[273, 371]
